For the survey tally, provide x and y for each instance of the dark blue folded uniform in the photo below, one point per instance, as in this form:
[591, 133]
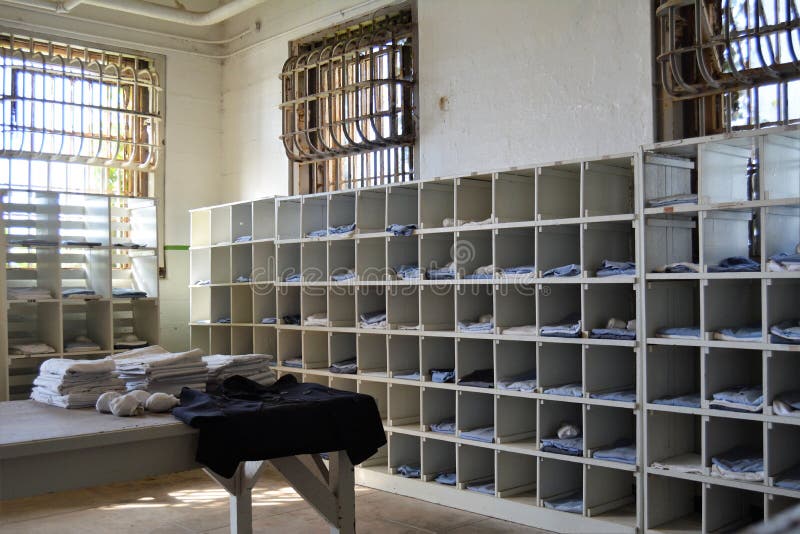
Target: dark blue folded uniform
[244, 420]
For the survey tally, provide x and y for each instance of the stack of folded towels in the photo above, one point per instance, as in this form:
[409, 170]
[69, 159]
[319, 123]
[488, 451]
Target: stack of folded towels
[75, 383]
[255, 367]
[155, 370]
[29, 293]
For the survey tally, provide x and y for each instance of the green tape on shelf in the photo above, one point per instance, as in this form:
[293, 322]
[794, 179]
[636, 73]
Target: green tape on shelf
[176, 247]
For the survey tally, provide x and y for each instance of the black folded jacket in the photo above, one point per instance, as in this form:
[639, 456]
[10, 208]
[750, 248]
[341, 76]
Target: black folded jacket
[244, 420]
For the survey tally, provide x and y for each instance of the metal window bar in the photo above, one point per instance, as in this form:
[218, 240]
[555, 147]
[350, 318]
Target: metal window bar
[737, 62]
[348, 103]
[77, 119]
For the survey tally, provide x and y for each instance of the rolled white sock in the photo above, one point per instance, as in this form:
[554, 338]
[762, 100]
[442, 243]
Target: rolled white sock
[161, 402]
[104, 401]
[616, 323]
[140, 395]
[568, 430]
[126, 406]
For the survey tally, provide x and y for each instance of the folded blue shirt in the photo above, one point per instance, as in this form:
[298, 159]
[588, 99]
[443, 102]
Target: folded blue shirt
[408, 272]
[129, 293]
[688, 400]
[293, 362]
[443, 376]
[343, 275]
[242, 279]
[679, 332]
[408, 471]
[521, 269]
[269, 320]
[565, 270]
[567, 390]
[445, 426]
[293, 278]
[616, 268]
[572, 503]
[343, 229]
[786, 332]
[569, 326]
[789, 479]
[475, 327]
[408, 375]
[484, 487]
[448, 478]
[735, 264]
[744, 332]
[679, 268]
[570, 446]
[485, 434]
[623, 395]
[243, 239]
[481, 276]
[521, 382]
[445, 273]
[318, 233]
[612, 333]
[785, 257]
[223, 320]
[401, 229]
[624, 450]
[747, 396]
[740, 460]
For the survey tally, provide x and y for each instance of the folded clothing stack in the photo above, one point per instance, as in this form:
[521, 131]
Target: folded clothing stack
[294, 278]
[567, 390]
[484, 434]
[293, 362]
[343, 274]
[345, 367]
[154, 369]
[739, 463]
[81, 344]
[615, 329]
[243, 239]
[569, 326]
[290, 319]
[448, 272]
[255, 367]
[689, 462]
[481, 378]
[627, 394]
[79, 293]
[623, 450]
[482, 486]
[787, 403]
[447, 478]
[373, 319]
[679, 332]
[29, 348]
[678, 268]
[343, 230]
[672, 200]
[784, 262]
[571, 502]
[317, 319]
[408, 272]
[80, 243]
[408, 471]
[616, 268]
[521, 330]
[785, 332]
[688, 400]
[269, 320]
[445, 426]
[735, 264]
[484, 324]
[223, 320]
[519, 271]
[129, 341]
[565, 270]
[482, 273]
[408, 374]
[75, 383]
[243, 279]
[789, 479]
[744, 333]
[521, 382]
[29, 293]
[443, 376]
[33, 242]
[568, 440]
[401, 229]
[739, 399]
[128, 293]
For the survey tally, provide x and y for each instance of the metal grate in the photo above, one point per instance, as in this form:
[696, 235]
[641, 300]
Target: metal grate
[729, 64]
[348, 101]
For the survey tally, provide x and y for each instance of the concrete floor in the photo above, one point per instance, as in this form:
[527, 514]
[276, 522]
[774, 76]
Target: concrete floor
[190, 502]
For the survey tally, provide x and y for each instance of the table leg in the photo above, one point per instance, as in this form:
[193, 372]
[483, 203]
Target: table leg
[240, 487]
[342, 485]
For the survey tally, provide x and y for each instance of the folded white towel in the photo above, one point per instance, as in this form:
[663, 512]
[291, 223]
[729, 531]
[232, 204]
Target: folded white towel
[154, 358]
[65, 366]
[30, 348]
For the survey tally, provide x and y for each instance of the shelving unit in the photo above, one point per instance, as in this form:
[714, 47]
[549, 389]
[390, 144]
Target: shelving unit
[83, 241]
[578, 212]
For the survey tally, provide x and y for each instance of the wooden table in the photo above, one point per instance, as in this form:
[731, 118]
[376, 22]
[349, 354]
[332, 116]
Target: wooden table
[45, 449]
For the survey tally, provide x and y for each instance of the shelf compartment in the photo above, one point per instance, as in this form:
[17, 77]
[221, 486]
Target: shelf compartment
[559, 479]
[516, 477]
[288, 302]
[437, 457]
[727, 368]
[514, 358]
[404, 450]
[241, 263]
[370, 299]
[782, 371]
[86, 268]
[673, 505]
[30, 322]
[731, 509]
[777, 504]
[289, 222]
[379, 392]
[371, 211]
[558, 192]
[673, 434]
[342, 307]
[672, 304]
[607, 241]
[200, 223]
[137, 317]
[241, 340]
[782, 298]
[670, 239]
[315, 350]
[437, 203]
[342, 347]
[781, 230]
[608, 369]
[782, 450]
[473, 250]
[605, 426]
[403, 355]
[472, 302]
[611, 493]
[557, 246]
[199, 304]
[200, 338]
[404, 406]
[725, 169]
[220, 225]
[290, 345]
[265, 341]
[91, 319]
[552, 414]
[84, 217]
[436, 251]
[314, 262]
[199, 266]
[342, 209]
[241, 220]
[437, 308]
[264, 219]
[473, 355]
[402, 205]
[288, 255]
[133, 220]
[401, 251]
[474, 198]
[515, 196]
[558, 301]
[666, 175]
[341, 257]
[474, 465]
[371, 259]
[558, 364]
[780, 165]
[437, 405]
[344, 384]
[732, 303]
[264, 304]
[672, 371]
[723, 434]
[315, 214]
[436, 353]
[220, 304]
[242, 305]
[221, 265]
[604, 301]
[516, 421]
[515, 247]
[474, 410]
[33, 267]
[726, 234]
[21, 374]
[134, 270]
[220, 341]
[608, 187]
[313, 300]
[403, 306]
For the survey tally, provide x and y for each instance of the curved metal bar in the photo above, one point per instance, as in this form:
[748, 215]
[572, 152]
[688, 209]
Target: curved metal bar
[698, 47]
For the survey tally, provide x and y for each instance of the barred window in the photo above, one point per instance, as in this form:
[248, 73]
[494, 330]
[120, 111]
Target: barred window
[77, 119]
[725, 65]
[348, 103]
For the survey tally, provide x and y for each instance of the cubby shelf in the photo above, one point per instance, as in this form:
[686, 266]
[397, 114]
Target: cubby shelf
[569, 215]
[57, 242]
